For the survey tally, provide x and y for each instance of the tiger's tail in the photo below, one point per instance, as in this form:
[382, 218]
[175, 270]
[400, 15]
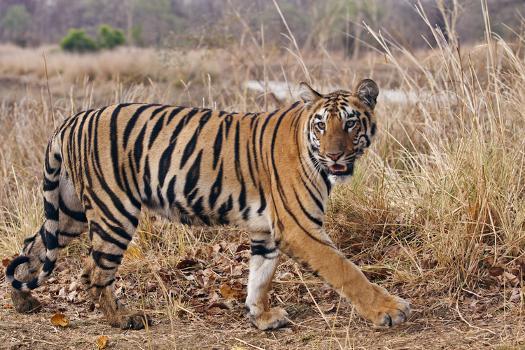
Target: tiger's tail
[49, 230]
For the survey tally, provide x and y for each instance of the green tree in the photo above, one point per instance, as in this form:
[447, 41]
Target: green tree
[77, 40]
[109, 37]
[16, 22]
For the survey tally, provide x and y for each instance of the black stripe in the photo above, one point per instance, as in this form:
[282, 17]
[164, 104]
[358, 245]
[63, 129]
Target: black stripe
[133, 120]
[224, 209]
[259, 249]
[146, 180]
[114, 258]
[171, 191]
[113, 136]
[50, 212]
[216, 188]
[165, 159]
[249, 161]
[50, 185]
[192, 177]
[174, 112]
[263, 200]
[69, 234]
[118, 230]
[102, 286]
[322, 172]
[217, 146]
[97, 229]
[254, 144]
[198, 210]
[317, 202]
[313, 219]
[138, 146]
[156, 130]
[238, 169]
[127, 185]
[192, 143]
[48, 266]
[77, 215]
[228, 122]
[263, 128]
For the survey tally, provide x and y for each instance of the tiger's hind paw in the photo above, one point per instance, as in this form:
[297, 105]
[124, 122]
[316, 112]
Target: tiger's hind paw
[24, 302]
[272, 319]
[135, 321]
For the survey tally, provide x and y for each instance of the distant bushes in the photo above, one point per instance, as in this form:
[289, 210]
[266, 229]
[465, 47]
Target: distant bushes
[77, 40]
[109, 37]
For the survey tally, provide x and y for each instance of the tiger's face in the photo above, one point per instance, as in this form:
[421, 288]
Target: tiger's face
[340, 127]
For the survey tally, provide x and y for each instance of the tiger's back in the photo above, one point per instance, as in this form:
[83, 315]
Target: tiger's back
[195, 165]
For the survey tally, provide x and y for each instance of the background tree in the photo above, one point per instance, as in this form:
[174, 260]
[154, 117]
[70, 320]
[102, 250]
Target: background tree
[15, 22]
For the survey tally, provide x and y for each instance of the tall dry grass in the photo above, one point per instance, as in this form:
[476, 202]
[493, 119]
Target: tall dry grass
[438, 200]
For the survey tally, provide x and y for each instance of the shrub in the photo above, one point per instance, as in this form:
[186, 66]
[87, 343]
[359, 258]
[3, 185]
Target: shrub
[109, 37]
[77, 40]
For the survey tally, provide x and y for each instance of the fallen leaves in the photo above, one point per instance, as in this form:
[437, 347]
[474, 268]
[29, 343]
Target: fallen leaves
[231, 292]
[102, 342]
[496, 271]
[60, 320]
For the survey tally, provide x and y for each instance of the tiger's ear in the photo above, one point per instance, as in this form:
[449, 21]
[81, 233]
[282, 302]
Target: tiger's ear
[307, 93]
[367, 91]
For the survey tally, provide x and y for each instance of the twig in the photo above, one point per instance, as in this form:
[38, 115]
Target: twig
[48, 89]
[250, 345]
[470, 324]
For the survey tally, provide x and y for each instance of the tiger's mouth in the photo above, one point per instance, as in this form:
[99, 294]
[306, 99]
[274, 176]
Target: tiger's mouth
[341, 169]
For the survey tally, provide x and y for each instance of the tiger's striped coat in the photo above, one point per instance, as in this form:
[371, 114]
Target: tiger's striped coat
[270, 173]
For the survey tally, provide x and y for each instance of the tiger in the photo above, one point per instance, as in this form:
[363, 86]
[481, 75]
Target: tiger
[269, 173]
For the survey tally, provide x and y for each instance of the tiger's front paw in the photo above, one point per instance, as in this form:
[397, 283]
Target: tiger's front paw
[274, 318]
[385, 309]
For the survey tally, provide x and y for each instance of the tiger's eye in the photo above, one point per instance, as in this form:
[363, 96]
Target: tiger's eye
[350, 124]
[320, 125]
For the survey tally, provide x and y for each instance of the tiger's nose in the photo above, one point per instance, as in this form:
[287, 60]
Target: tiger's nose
[334, 156]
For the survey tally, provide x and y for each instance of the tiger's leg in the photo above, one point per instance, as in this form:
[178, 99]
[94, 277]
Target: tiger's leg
[372, 301]
[72, 223]
[108, 245]
[263, 262]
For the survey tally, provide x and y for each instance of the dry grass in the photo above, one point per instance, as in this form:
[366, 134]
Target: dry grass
[435, 212]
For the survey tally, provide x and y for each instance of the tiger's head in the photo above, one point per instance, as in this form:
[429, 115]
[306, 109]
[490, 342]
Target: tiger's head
[340, 126]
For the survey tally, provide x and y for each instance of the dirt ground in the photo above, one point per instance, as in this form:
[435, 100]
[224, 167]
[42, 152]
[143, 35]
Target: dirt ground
[437, 323]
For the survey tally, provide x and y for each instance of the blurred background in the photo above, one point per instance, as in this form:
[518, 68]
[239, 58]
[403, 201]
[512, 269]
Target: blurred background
[332, 24]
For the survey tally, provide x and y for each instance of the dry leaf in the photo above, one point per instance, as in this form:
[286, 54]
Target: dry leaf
[60, 320]
[513, 280]
[102, 342]
[187, 264]
[5, 262]
[496, 271]
[228, 292]
[328, 308]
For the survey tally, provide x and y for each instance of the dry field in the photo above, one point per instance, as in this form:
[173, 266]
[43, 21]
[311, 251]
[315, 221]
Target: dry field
[435, 211]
